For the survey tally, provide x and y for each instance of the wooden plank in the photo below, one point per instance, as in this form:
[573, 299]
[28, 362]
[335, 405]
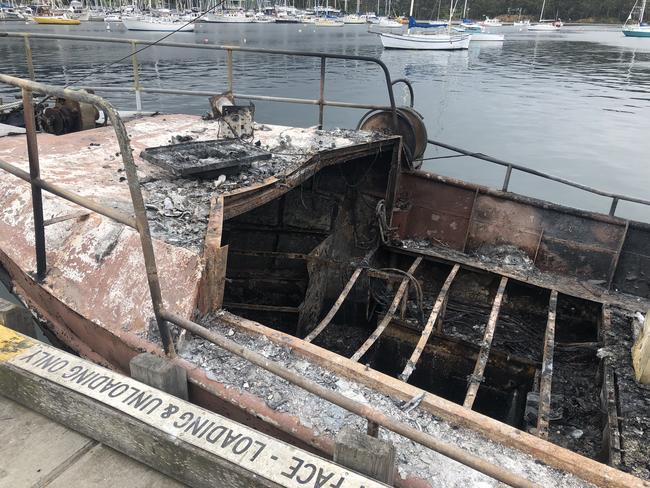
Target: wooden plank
[260, 307]
[365, 454]
[215, 258]
[617, 256]
[389, 315]
[546, 379]
[335, 308]
[481, 360]
[428, 328]
[191, 444]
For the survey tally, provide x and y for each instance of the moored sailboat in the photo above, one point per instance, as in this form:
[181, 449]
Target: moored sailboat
[545, 25]
[156, 24]
[639, 29]
[447, 40]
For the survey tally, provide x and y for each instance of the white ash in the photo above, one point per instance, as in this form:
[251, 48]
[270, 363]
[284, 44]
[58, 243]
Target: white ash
[507, 256]
[327, 419]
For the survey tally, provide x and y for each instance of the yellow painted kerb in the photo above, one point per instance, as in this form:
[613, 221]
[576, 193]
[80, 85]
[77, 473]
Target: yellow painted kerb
[12, 343]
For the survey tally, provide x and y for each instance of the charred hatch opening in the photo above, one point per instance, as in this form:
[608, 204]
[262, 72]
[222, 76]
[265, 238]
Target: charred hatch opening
[287, 257]
[291, 259]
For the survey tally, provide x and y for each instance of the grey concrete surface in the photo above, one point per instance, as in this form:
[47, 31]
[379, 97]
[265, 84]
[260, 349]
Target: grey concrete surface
[37, 452]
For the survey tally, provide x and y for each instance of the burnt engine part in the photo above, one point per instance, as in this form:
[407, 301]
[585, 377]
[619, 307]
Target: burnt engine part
[410, 125]
[205, 158]
[68, 116]
[237, 118]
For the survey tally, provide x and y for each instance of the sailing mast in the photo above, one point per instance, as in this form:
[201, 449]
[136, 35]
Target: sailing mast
[641, 13]
[464, 9]
[541, 14]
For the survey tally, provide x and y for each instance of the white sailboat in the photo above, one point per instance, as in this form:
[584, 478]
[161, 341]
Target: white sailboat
[545, 25]
[640, 28]
[156, 24]
[446, 40]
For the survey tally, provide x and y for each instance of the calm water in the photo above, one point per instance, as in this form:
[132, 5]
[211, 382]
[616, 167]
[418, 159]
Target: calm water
[573, 103]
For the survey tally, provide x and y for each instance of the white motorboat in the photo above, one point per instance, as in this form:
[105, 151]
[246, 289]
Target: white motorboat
[326, 22]
[522, 24]
[156, 24]
[488, 22]
[353, 19]
[10, 13]
[113, 18]
[229, 18]
[387, 23]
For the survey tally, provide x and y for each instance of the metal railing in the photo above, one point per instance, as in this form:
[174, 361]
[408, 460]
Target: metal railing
[138, 88]
[512, 166]
[140, 223]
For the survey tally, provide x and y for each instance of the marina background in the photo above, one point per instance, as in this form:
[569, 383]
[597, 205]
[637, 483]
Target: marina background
[571, 103]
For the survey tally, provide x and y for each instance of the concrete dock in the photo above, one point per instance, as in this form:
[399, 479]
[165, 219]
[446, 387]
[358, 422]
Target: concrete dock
[78, 412]
[38, 452]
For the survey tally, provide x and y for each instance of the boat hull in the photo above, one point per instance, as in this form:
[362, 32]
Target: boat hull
[544, 28]
[425, 42]
[144, 25]
[56, 21]
[637, 32]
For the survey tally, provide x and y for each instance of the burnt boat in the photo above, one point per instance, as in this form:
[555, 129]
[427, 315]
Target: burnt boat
[444, 312]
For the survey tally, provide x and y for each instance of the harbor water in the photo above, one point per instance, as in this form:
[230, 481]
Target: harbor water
[572, 103]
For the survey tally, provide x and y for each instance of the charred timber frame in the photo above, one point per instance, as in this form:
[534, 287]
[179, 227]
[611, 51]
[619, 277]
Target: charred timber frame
[476, 377]
[544, 409]
[428, 328]
[608, 399]
[389, 314]
[335, 308]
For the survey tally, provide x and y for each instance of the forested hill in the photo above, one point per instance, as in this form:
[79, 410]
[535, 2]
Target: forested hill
[566, 9]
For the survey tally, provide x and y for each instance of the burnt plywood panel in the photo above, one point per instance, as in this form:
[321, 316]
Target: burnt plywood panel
[574, 245]
[633, 271]
[571, 259]
[498, 222]
[436, 211]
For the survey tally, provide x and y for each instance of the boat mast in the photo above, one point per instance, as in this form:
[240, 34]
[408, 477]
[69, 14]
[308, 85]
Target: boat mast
[642, 12]
[541, 14]
[464, 9]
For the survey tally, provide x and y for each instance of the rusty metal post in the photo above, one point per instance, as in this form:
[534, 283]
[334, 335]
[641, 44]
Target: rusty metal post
[136, 78]
[612, 209]
[321, 98]
[34, 174]
[28, 58]
[229, 61]
[506, 180]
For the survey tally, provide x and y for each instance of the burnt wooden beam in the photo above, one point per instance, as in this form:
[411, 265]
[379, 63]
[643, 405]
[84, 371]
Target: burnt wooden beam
[389, 315]
[335, 308]
[479, 368]
[611, 443]
[215, 258]
[260, 308]
[546, 379]
[428, 328]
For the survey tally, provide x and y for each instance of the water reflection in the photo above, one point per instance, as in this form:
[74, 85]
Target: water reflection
[571, 103]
